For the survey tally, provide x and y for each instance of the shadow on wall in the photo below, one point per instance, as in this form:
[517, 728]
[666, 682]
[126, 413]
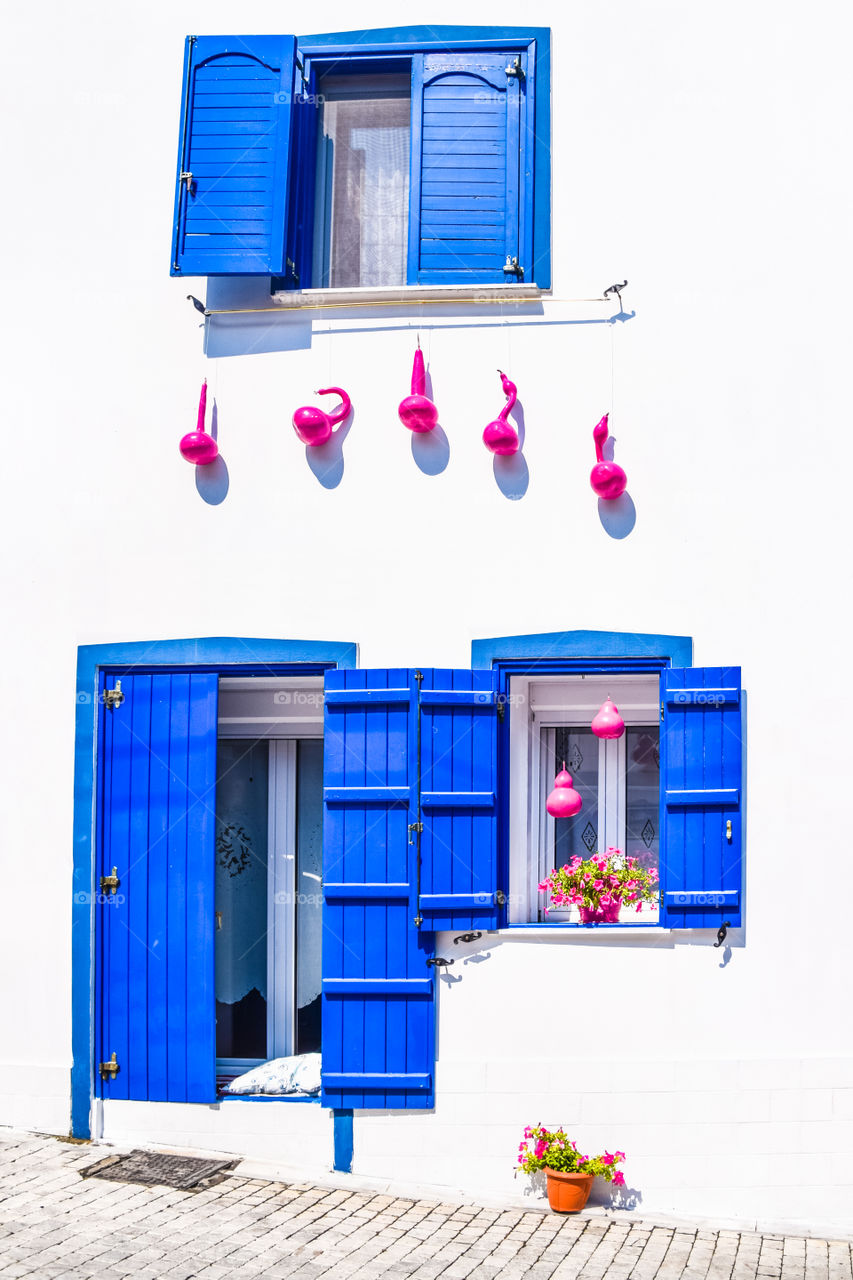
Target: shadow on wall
[212, 480]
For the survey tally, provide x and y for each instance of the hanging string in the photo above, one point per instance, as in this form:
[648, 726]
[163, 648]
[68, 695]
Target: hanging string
[612, 367]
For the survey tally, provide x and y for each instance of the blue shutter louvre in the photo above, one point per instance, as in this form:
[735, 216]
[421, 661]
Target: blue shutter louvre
[467, 168]
[156, 810]
[459, 885]
[701, 796]
[231, 198]
[378, 992]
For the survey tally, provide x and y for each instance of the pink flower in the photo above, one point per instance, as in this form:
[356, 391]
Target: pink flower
[607, 1158]
[620, 1155]
[618, 1178]
[599, 884]
[639, 906]
[541, 1148]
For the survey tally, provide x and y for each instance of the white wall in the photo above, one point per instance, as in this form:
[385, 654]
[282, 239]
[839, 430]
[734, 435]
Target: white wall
[699, 152]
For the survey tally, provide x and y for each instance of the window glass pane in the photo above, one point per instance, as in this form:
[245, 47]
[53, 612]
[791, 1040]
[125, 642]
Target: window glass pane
[242, 791]
[642, 795]
[362, 203]
[578, 749]
[309, 893]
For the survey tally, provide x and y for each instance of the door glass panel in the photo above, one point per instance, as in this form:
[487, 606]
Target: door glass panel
[642, 795]
[242, 801]
[309, 893]
[577, 748]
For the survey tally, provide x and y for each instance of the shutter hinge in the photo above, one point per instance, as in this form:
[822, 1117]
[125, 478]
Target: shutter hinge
[512, 268]
[113, 697]
[501, 708]
[189, 180]
[661, 710]
[514, 69]
[109, 884]
[109, 1070]
[500, 897]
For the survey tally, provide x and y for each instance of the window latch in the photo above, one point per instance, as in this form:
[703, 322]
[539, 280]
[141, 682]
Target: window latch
[512, 268]
[113, 697]
[109, 884]
[514, 69]
[189, 180]
[109, 1070]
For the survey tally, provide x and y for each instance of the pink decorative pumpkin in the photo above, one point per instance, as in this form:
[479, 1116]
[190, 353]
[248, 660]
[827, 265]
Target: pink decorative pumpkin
[564, 801]
[607, 722]
[417, 412]
[313, 425]
[197, 446]
[607, 478]
[500, 436]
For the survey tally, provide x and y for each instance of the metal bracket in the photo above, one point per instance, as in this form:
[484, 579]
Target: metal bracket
[468, 937]
[501, 705]
[512, 268]
[617, 289]
[189, 180]
[199, 306]
[113, 697]
[440, 963]
[417, 828]
[109, 1070]
[721, 932]
[109, 884]
[514, 69]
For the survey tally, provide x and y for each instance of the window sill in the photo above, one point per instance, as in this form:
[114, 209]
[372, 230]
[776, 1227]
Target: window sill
[268, 1097]
[583, 932]
[406, 296]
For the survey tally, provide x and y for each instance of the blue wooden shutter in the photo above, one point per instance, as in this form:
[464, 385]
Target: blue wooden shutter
[157, 780]
[233, 158]
[469, 174]
[701, 796]
[378, 992]
[459, 873]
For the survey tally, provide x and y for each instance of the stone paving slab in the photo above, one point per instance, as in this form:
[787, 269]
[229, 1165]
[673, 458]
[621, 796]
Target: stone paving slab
[57, 1226]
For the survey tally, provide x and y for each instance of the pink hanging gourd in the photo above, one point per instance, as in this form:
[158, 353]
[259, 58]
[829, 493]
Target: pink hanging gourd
[417, 412]
[197, 446]
[314, 426]
[564, 801]
[607, 722]
[607, 478]
[500, 436]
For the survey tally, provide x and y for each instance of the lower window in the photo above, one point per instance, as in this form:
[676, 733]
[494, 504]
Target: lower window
[268, 879]
[618, 781]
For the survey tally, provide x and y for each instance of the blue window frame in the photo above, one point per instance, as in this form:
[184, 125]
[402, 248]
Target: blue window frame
[479, 181]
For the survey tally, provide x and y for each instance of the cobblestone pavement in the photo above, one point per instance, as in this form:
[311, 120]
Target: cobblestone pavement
[55, 1224]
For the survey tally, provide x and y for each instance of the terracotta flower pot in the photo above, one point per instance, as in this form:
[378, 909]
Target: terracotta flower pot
[568, 1192]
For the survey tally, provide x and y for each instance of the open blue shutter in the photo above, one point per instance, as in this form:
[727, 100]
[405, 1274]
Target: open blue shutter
[157, 779]
[468, 168]
[231, 198]
[459, 873]
[378, 992]
[701, 796]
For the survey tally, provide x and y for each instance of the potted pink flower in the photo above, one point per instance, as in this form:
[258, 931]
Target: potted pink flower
[569, 1174]
[599, 886]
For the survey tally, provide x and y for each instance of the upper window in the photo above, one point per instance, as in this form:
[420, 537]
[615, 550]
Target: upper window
[415, 156]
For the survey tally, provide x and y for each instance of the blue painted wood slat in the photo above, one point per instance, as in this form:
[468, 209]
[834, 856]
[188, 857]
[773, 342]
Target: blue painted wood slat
[378, 993]
[701, 796]
[459, 872]
[158, 772]
[468, 133]
[235, 123]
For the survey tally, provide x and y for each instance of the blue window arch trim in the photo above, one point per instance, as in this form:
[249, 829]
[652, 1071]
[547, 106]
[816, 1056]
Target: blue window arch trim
[225, 654]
